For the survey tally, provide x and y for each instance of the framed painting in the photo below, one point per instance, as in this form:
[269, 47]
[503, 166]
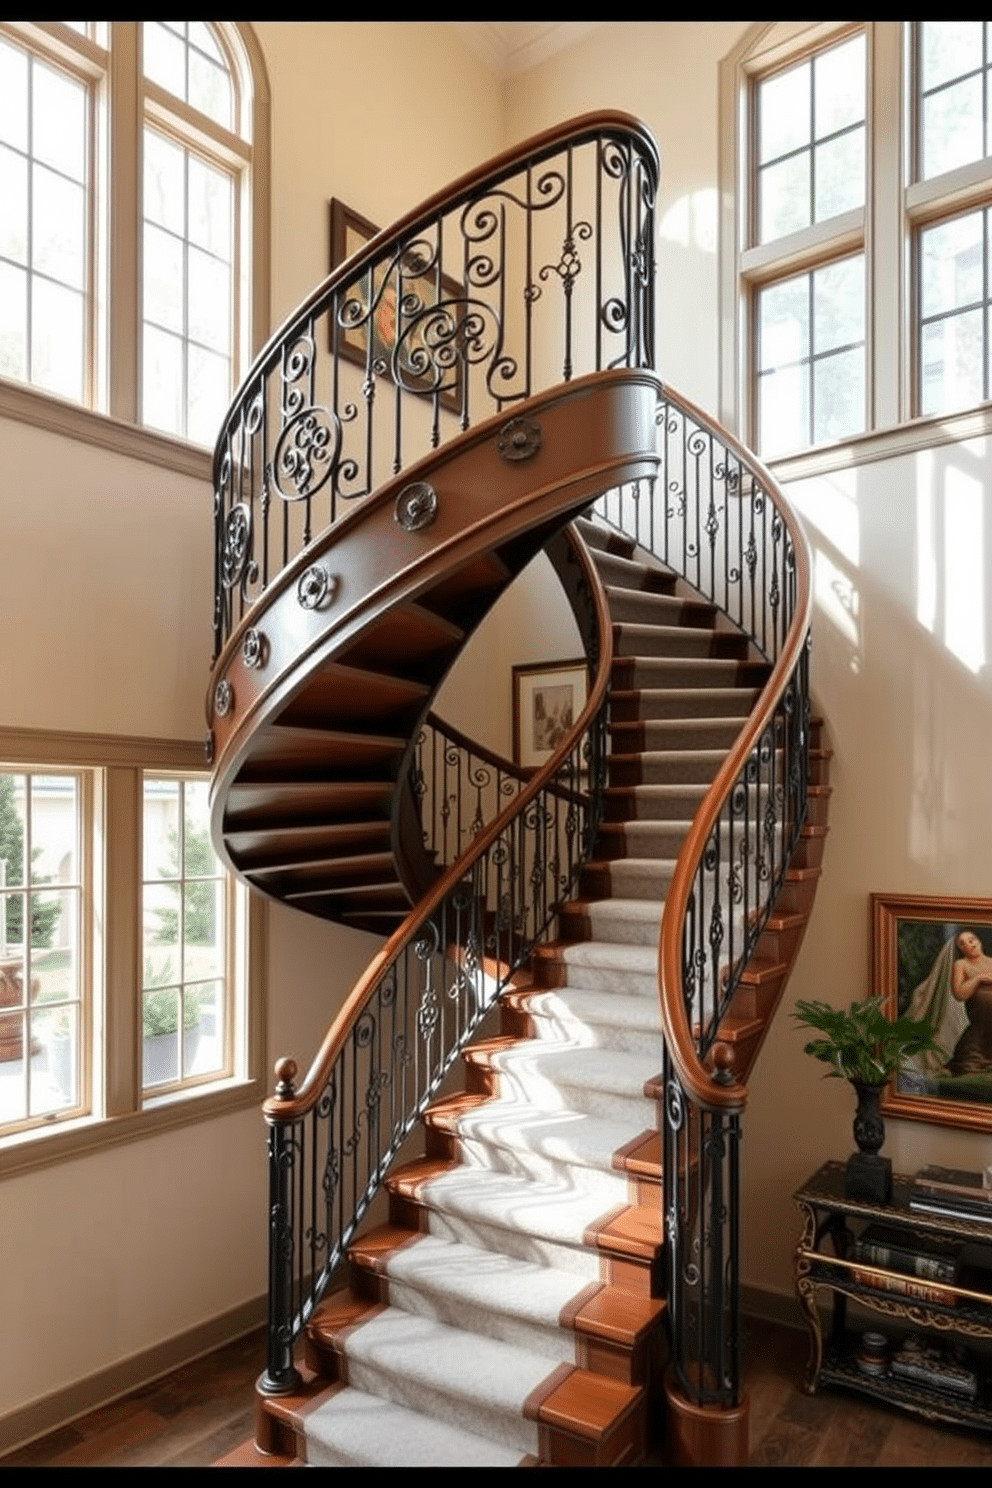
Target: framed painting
[420, 336]
[932, 958]
[547, 699]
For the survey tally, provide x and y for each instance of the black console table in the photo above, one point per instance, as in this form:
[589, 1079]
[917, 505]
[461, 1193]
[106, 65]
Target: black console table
[936, 1314]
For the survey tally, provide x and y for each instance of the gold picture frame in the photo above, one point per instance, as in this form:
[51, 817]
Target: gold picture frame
[932, 957]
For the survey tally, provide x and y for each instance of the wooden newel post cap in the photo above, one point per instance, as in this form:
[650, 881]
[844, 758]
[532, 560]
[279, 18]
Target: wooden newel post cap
[285, 1076]
[723, 1064]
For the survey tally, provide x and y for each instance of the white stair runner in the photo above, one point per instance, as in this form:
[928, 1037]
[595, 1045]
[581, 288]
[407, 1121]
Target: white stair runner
[441, 1375]
[473, 1322]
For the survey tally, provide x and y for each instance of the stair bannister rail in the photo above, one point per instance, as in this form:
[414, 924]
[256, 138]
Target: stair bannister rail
[529, 272]
[459, 786]
[716, 516]
[332, 1138]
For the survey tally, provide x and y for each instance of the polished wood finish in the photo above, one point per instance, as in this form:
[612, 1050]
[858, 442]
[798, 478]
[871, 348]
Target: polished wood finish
[201, 1415]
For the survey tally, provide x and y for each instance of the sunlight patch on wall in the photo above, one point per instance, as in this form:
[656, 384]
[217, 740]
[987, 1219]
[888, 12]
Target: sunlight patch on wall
[964, 582]
[837, 600]
[829, 503]
[691, 221]
[950, 543]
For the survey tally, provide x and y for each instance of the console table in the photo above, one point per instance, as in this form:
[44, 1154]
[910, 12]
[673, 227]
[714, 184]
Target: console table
[825, 1258]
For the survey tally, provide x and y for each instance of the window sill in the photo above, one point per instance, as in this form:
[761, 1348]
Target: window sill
[884, 444]
[28, 405]
[55, 1142]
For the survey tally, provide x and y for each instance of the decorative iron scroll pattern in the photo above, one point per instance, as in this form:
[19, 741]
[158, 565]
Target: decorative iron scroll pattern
[419, 1013]
[714, 517]
[453, 318]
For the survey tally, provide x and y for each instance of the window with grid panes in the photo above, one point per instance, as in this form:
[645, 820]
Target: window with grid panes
[126, 164]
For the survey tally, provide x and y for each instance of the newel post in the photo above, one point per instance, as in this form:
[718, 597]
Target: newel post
[280, 1375]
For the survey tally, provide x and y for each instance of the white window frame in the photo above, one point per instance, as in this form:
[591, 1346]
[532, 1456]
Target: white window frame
[115, 1108]
[895, 205]
[126, 100]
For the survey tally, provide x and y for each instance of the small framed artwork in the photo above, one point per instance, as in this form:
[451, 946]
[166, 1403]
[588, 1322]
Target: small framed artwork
[547, 699]
[932, 958]
[413, 327]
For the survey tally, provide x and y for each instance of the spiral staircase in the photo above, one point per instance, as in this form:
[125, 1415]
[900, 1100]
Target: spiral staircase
[548, 1274]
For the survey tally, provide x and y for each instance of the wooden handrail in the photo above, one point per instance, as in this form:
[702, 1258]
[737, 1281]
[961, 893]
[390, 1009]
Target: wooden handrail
[285, 1109]
[537, 148]
[696, 1080]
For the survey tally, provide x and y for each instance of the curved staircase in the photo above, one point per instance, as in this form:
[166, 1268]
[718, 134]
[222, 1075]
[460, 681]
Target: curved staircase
[522, 1300]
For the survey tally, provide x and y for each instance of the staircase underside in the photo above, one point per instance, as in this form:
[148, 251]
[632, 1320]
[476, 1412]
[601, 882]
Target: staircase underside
[319, 692]
[509, 1310]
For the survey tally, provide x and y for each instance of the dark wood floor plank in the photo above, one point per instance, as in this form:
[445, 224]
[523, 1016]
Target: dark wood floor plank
[204, 1412]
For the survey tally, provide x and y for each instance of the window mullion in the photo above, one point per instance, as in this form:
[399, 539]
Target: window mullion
[125, 221]
[123, 799]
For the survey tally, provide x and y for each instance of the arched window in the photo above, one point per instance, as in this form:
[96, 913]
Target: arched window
[133, 167]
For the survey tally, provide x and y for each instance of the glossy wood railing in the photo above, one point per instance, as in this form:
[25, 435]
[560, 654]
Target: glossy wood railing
[716, 516]
[333, 1137]
[525, 274]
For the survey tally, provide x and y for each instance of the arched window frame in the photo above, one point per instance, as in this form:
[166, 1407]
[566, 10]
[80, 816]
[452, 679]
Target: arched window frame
[108, 56]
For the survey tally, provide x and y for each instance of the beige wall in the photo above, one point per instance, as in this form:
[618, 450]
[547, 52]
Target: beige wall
[903, 554]
[106, 584]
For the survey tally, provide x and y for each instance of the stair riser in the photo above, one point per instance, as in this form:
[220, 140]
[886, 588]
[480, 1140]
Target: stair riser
[669, 642]
[620, 1038]
[609, 922]
[653, 803]
[644, 703]
[662, 733]
[626, 878]
[638, 607]
[664, 768]
[560, 972]
[611, 1188]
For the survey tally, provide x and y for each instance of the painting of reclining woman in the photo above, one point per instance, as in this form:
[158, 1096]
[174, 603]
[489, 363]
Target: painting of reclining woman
[932, 959]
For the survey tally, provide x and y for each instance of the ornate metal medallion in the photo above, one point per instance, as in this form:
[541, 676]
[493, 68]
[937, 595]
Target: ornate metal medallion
[416, 506]
[255, 648]
[224, 698]
[315, 586]
[519, 439]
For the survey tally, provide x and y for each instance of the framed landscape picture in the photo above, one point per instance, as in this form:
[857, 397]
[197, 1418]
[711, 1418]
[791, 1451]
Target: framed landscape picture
[547, 699]
[932, 958]
[425, 339]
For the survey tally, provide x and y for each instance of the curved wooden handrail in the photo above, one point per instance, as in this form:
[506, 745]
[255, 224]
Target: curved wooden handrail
[291, 1108]
[696, 1080]
[538, 147]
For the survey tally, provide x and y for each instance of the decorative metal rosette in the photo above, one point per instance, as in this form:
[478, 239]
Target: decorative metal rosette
[519, 439]
[416, 506]
[237, 544]
[315, 587]
[208, 747]
[223, 698]
[255, 648]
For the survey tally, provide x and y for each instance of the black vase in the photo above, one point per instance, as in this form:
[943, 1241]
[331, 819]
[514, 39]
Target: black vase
[867, 1175]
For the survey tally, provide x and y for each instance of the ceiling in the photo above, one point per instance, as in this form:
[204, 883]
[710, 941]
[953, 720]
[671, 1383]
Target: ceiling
[510, 47]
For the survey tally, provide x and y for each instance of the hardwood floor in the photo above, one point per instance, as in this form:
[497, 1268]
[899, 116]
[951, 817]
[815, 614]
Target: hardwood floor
[195, 1415]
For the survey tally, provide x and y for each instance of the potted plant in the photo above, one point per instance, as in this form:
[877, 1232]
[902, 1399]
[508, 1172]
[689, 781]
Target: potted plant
[862, 1045]
[160, 1031]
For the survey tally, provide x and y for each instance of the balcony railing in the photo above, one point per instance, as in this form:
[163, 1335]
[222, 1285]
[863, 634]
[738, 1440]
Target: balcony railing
[528, 273]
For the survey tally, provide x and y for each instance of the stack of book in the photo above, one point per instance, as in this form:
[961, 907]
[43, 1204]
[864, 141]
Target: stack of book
[937, 1367]
[892, 1260]
[953, 1192]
